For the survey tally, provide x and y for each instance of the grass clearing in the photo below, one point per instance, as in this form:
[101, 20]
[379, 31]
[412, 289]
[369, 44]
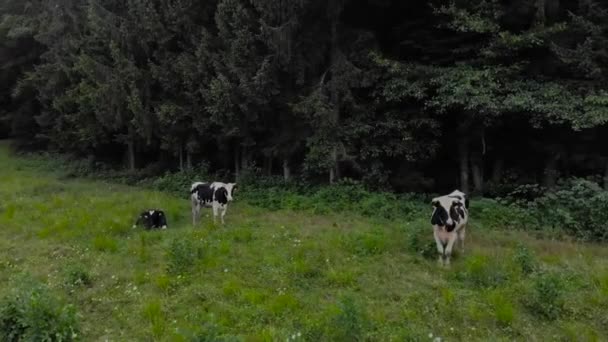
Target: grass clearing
[283, 274]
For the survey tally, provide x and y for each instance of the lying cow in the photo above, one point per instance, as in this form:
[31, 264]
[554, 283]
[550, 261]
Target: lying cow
[152, 219]
[449, 220]
[215, 195]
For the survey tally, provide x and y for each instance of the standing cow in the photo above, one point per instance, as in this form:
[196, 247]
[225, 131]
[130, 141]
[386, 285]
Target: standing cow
[215, 195]
[449, 220]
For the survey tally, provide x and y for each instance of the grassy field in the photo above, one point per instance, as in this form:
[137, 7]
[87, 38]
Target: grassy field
[280, 275]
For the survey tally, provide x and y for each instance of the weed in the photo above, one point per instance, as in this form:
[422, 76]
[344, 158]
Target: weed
[546, 296]
[420, 241]
[502, 308]
[104, 243]
[349, 322]
[77, 275]
[31, 313]
[482, 272]
[524, 259]
[181, 255]
[155, 316]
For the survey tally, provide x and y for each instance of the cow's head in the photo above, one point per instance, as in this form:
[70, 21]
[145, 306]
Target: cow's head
[446, 212]
[231, 188]
[143, 218]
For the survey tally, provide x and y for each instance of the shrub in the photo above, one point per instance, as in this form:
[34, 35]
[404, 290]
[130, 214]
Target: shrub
[179, 183]
[578, 206]
[31, 313]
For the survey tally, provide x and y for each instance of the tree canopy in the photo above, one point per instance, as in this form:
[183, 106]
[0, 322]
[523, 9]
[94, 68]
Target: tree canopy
[414, 96]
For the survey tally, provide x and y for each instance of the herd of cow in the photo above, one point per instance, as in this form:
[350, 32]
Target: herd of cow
[449, 218]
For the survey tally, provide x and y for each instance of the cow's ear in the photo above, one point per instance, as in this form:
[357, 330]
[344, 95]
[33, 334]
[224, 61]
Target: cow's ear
[435, 203]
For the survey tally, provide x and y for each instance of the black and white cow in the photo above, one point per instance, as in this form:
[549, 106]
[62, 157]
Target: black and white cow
[215, 195]
[152, 218]
[449, 220]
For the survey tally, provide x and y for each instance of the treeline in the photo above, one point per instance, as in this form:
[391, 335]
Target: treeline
[409, 95]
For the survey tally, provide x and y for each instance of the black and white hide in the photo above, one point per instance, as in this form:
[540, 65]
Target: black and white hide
[215, 195]
[449, 220]
[152, 218]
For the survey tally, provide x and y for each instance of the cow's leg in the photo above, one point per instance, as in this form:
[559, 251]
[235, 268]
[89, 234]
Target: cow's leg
[448, 250]
[224, 209]
[439, 246]
[215, 211]
[461, 235]
[196, 210]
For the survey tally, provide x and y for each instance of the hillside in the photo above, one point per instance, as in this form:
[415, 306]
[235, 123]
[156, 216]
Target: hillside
[276, 275]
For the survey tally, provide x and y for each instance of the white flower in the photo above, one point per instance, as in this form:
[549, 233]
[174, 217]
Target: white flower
[299, 334]
[225, 270]
[430, 335]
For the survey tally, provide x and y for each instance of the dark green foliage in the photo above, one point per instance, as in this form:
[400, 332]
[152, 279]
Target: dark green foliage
[313, 89]
[577, 206]
[30, 312]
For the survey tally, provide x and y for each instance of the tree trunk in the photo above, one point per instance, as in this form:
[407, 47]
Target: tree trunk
[131, 154]
[245, 157]
[188, 160]
[550, 172]
[497, 170]
[606, 176]
[268, 166]
[286, 170]
[477, 171]
[334, 171]
[181, 158]
[237, 171]
[463, 161]
[540, 17]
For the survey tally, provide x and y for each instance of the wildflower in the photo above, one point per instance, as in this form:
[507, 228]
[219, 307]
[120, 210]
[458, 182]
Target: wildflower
[430, 335]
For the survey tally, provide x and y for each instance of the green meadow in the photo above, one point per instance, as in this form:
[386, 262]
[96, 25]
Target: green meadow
[71, 266]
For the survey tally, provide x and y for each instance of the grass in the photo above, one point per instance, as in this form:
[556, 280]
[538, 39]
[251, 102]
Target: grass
[285, 274]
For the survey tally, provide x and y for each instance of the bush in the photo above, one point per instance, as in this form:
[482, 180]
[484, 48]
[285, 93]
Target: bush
[178, 183]
[579, 207]
[31, 313]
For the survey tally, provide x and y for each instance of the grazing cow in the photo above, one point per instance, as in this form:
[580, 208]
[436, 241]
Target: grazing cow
[215, 195]
[449, 220]
[152, 218]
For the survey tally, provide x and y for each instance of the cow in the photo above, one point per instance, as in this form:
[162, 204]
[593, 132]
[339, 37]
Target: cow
[215, 195]
[152, 218]
[449, 219]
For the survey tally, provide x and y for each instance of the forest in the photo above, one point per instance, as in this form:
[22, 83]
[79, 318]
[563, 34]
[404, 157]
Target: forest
[410, 96]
